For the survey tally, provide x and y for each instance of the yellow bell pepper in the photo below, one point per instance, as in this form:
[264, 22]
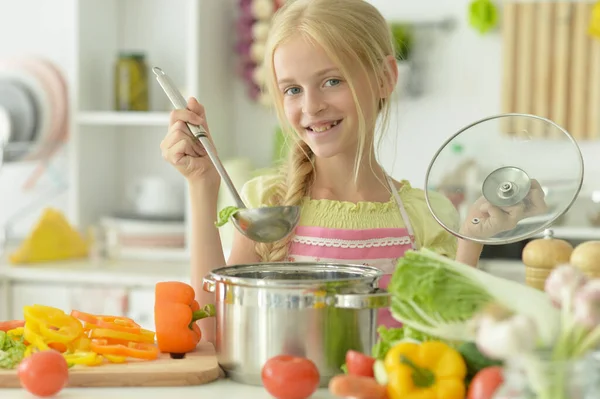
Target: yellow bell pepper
[428, 370]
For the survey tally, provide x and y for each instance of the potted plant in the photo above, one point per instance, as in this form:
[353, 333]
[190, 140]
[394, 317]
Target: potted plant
[403, 42]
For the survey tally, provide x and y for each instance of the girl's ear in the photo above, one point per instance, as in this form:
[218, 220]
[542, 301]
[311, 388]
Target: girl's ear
[390, 77]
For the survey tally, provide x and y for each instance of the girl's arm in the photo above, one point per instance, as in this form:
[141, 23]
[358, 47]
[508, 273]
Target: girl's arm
[468, 252]
[206, 247]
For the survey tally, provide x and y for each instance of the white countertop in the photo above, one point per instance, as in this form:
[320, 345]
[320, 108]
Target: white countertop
[132, 273]
[219, 389]
[147, 274]
[104, 271]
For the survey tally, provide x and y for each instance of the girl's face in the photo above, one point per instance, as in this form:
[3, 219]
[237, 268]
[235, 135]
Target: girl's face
[317, 99]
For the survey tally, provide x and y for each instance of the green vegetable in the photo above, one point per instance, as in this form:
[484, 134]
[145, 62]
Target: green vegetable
[403, 40]
[225, 214]
[475, 360]
[439, 296]
[483, 15]
[11, 351]
[388, 337]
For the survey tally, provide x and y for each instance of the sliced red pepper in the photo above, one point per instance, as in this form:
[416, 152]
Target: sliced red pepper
[143, 336]
[136, 350]
[6, 326]
[83, 316]
[58, 346]
[123, 324]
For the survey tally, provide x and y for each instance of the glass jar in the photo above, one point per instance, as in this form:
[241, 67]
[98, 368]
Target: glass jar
[131, 82]
[541, 378]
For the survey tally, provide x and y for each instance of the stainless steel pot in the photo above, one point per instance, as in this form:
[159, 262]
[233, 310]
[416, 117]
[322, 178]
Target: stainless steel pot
[319, 311]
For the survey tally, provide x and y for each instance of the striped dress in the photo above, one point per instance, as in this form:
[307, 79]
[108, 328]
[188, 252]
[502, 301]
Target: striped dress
[368, 233]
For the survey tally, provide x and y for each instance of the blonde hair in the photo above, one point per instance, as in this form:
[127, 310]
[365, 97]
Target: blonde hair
[349, 31]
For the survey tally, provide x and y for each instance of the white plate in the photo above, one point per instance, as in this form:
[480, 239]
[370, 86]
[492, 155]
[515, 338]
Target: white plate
[5, 127]
[18, 101]
[40, 96]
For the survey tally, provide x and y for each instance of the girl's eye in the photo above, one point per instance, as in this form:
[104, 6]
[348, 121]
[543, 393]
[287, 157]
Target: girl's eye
[332, 82]
[292, 90]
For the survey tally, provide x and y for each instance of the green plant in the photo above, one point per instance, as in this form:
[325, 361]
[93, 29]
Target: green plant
[403, 40]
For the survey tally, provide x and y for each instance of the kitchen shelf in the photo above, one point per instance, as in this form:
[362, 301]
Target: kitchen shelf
[103, 168]
[108, 118]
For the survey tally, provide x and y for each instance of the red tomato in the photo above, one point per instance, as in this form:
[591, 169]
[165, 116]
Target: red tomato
[44, 373]
[485, 383]
[359, 364]
[290, 377]
[11, 324]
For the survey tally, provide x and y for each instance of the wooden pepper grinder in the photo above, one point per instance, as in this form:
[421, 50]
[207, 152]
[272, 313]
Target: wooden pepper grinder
[586, 257]
[541, 256]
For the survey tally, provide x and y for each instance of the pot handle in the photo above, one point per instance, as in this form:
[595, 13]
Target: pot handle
[375, 300]
[208, 284]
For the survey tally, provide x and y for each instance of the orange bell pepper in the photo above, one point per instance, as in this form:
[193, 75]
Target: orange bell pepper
[136, 350]
[175, 314]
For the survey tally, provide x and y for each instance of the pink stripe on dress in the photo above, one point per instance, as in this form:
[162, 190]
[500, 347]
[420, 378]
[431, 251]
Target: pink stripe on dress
[375, 247]
[350, 234]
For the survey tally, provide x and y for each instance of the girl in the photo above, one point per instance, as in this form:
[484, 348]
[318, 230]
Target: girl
[332, 70]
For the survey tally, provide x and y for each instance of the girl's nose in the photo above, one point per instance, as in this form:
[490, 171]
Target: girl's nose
[313, 102]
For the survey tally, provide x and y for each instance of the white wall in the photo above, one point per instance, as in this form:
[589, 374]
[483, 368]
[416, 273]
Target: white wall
[463, 84]
[41, 28]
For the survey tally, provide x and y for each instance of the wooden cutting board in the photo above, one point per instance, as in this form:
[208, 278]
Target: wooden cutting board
[197, 368]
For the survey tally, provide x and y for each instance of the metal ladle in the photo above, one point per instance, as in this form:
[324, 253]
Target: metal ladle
[265, 224]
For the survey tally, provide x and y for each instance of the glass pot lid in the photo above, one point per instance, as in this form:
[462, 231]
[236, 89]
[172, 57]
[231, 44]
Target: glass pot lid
[504, 178]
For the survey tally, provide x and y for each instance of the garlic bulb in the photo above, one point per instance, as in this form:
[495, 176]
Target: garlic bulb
[263, 9]
[260, 31]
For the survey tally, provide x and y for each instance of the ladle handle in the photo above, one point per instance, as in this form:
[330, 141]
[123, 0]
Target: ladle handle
[198, 131]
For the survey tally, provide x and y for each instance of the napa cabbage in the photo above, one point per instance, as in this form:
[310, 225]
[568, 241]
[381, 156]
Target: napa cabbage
[438, 296]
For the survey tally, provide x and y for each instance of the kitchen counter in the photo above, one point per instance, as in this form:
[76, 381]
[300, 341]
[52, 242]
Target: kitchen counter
[131, 273]
[219, 389]
[101, 271]
[147, 274]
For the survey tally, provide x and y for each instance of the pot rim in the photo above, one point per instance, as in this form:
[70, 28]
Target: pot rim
[361, 272]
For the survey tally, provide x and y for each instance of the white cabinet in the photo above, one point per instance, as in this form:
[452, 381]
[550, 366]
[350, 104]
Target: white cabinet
[141, 307]
[96, 299]
[4, 299]
[42, 293]
[191, 40]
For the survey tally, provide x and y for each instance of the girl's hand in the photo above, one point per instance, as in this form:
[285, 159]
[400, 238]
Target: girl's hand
[493, 220]
[183, 150]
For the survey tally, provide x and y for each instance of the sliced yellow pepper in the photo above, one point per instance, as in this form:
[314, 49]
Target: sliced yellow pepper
[85, 358]
[428, 370]
[16, 332]
[53, 324]
[29, 350]
[80, 344]
[115, 358]
[33, 336]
